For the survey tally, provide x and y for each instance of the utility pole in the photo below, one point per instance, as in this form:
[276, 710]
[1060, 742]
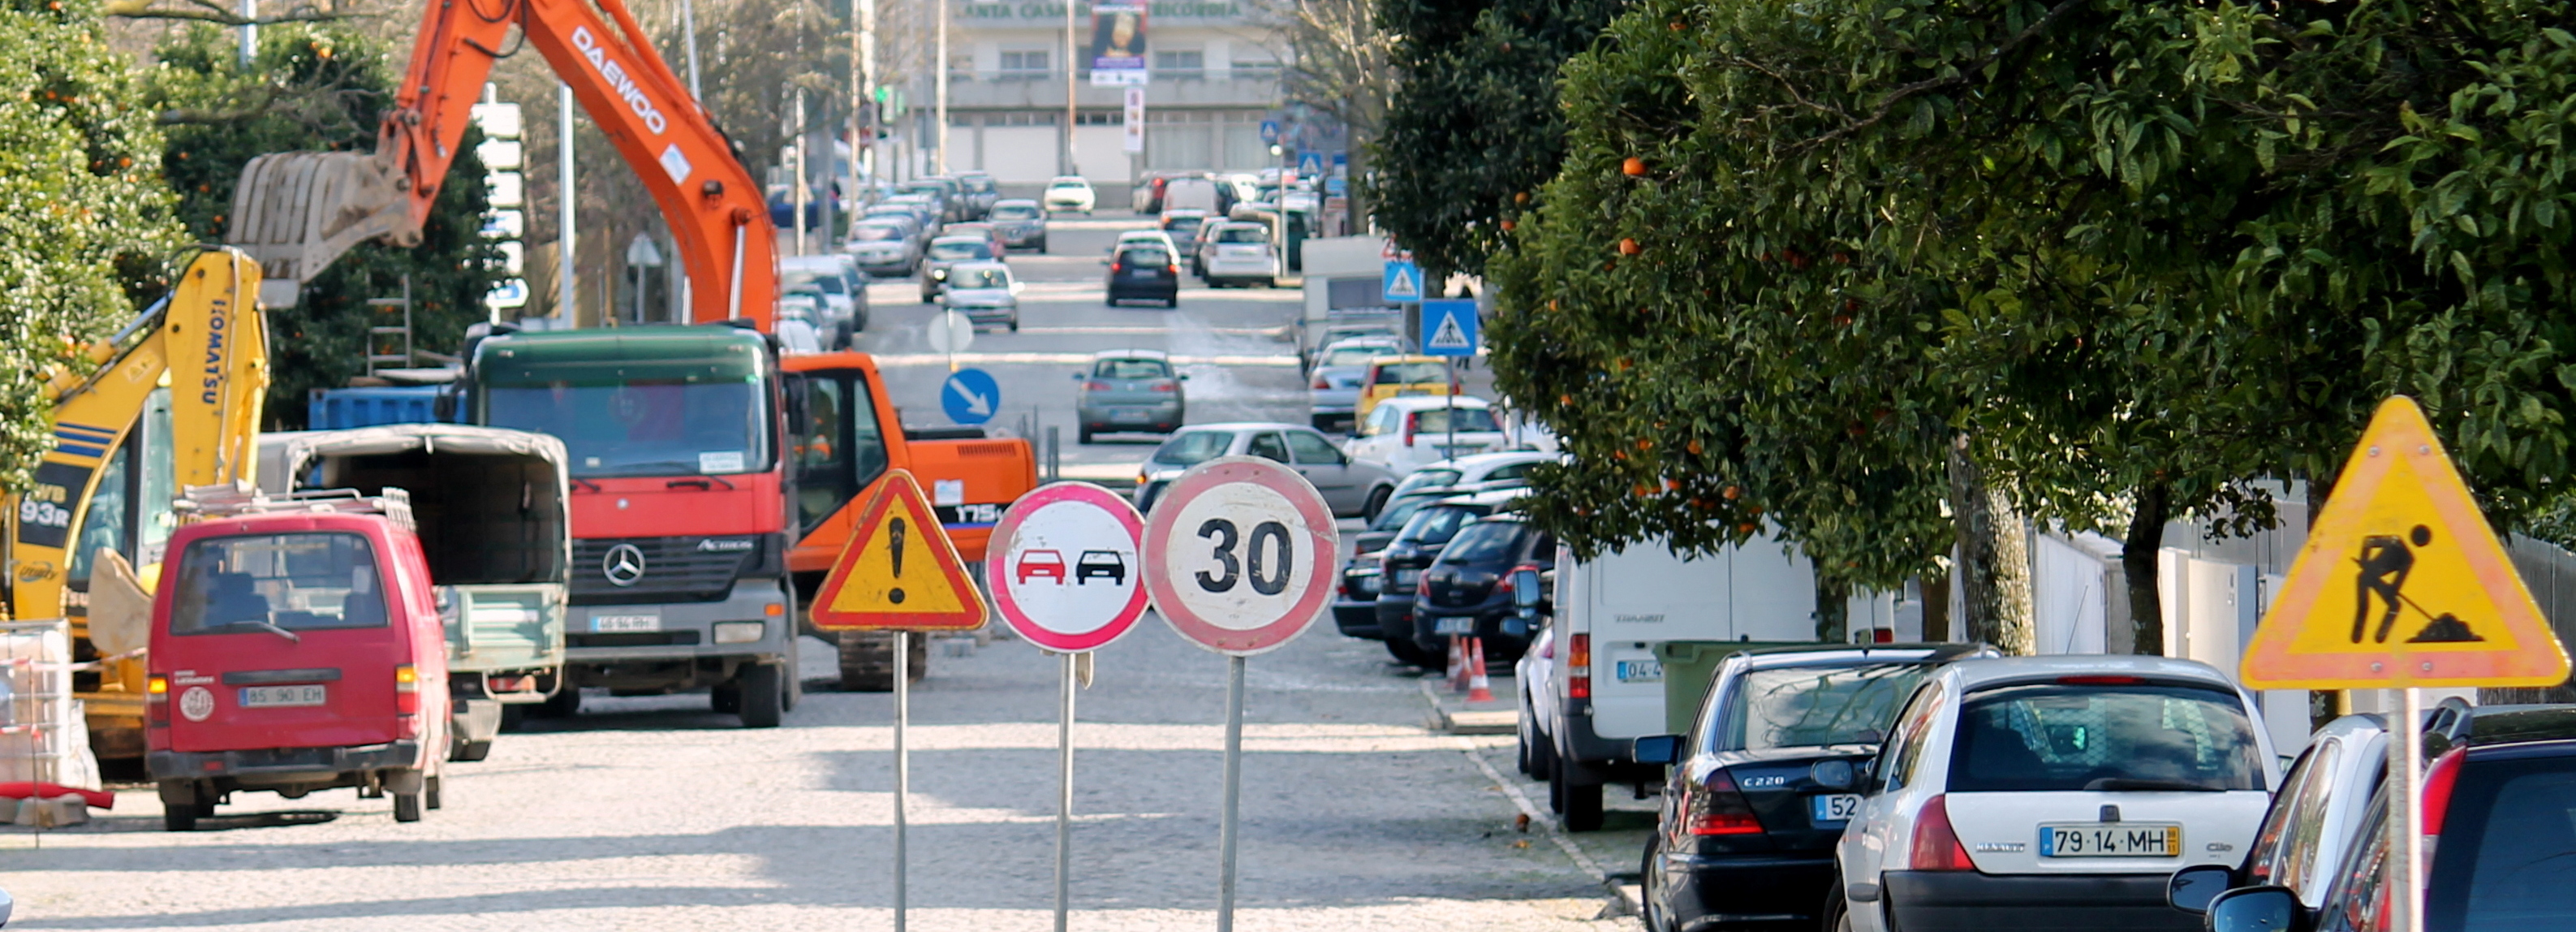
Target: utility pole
[941, 76]
[1070, 167]
[565, 195]
[249, 32]
[689, 37]
[798, 185]
[863, 84]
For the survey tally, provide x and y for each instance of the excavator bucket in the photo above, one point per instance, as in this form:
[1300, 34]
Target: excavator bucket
[295, 212]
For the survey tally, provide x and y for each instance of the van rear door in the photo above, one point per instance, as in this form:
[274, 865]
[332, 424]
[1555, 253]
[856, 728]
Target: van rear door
[280, 640]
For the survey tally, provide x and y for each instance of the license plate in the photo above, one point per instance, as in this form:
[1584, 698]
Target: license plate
[1125, 417]
[1407, 577]
[1141, 273]
[284, 697]
[1641, 671]
[1462, 624]
[620, 624]
[1366, 585]
[1838, 807]
[2111, 840]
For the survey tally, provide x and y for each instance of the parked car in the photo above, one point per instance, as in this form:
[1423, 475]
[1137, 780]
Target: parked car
[1364, 323]
[1744, 829]
[985, 292]
[1400, 568]
[1183, 227]
[1021, 222]
[946, 252]
[1333, 390]
[1391, 376]
[884, 246]
[1352, 489]
[838, 277]
[1413, 431]
[1068, 193]
[950, 196]
[2056, 792]
[1129, 390]
[2496, 795]
[928, 211]
[295, 647]
[1143, 271]
[1467, 592]
[1481, 472]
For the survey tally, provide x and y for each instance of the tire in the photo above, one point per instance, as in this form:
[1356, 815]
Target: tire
[565, 703]
[1543, 756]
[406, 807]
[1082, 435]
[725, 698]
[1837, 908]
[429, 792]
[1015, 325]
[1522, 756]
[1582, 805]
[1172, 303]
[1042, 244]
[764, 695]
[182, 817]
[1556, 786]
[1376, 503]
[513, 717]
[1650, 893]
[470, 751]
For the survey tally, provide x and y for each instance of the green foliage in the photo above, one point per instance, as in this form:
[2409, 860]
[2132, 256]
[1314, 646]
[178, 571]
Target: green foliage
[314, 87]
[82, 212]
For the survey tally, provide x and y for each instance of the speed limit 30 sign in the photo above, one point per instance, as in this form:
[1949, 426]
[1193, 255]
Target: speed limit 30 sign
[1239, 554]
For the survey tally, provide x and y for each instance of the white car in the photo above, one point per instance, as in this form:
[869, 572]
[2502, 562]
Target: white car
[1479, 473]
[1240, 254]
[1068, 192]
[1156, 237]
[1408, 432]
[2050, 793]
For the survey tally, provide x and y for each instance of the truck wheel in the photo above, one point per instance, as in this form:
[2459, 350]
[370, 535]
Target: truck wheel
[725, 698]
[469, 752]
[764, 695]
[182, 817]
[565, 703]
[406, 807]
[513, 716]
[1082, 435]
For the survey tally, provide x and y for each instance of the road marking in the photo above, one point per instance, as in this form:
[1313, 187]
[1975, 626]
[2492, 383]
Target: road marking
[891, 360]
[1555, 829]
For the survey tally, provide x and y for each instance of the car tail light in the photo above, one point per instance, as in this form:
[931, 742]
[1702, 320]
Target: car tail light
[1410, 420]
[1322, 383]
[156, 700]
[1174, 268]
[406, 689]
[2098, 680]
[1167, 386]
[1117, 267]
[1882, 635]
[1095, 385]
[1714, 807]
[1936, 847]
[1578, 666]
[2439, 779]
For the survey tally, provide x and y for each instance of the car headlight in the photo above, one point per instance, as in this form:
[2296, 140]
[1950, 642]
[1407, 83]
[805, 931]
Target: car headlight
[739, 632]
[939, 274]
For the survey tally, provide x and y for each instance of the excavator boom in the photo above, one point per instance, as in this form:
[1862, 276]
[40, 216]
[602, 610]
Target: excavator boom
[297, 211]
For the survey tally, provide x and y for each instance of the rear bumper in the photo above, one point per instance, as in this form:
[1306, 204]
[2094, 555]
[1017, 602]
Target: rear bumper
[1967, 901]
[1357, 619]
[199, 765]
[1718, 891]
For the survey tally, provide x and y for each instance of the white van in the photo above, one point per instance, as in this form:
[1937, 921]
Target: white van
[1189, 194]
[1595, 681]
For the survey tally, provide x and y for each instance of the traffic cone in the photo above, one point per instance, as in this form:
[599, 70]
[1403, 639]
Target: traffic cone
[1457, 664]
[1479, 689]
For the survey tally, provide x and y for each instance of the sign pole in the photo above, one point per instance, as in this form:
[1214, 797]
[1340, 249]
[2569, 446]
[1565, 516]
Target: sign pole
[902, 763]
[2406, 784]
[1064, 801]
[1228, 829]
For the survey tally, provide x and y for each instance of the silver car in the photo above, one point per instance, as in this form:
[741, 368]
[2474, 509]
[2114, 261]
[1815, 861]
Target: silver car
[886, 246]
[1021, 222]
[985, 293]
[1333, 388]
[1129, 390]
[1350, 487]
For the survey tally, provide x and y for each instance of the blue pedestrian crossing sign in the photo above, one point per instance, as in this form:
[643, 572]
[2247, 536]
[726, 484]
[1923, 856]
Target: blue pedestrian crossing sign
[1403, 282]
[1451, 327]
[1269, 131]
[1310, 165]
[970, 396]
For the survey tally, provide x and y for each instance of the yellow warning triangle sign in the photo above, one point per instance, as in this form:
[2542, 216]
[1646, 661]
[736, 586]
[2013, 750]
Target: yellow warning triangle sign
[2401, 583]
[899, 572]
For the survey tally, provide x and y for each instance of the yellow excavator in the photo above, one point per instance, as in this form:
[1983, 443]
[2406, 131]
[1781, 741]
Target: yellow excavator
[173, 403]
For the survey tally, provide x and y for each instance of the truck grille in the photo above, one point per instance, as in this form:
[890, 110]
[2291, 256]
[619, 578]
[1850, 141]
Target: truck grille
[640, 570]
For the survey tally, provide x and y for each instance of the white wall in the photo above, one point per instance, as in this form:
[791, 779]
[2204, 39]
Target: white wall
[1020, 154]
[1100, 155]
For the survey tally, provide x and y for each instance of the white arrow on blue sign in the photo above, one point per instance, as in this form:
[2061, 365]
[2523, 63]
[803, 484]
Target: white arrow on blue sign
[1403, 282]
[970, 396]
[1451, 323]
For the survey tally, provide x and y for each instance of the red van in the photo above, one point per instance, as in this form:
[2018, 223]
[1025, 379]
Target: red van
[295, 647]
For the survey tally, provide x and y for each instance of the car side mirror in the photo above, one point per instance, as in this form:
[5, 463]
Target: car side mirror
[1185, 376]
[1834, 774]
[2257, 909]
[1525, 590]
[1656, 749]
[2192, 888]
[1077, 376]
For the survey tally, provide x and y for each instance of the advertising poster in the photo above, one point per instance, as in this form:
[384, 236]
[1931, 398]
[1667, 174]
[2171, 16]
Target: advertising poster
[1118, 42]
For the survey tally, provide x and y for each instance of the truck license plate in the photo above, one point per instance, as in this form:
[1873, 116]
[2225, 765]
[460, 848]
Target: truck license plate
[1837, 807]
[284, 697]
[622, 624]
[1641, 671]
[2111, 840]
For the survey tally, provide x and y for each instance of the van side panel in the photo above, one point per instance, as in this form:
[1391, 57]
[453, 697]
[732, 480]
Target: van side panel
[1640, 597]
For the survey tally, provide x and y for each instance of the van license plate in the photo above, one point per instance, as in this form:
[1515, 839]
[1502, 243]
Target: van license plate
[284, 697]
[1457, 624]
[1641, 671]
[2111, 840]
[1837, 807]
[622, 624]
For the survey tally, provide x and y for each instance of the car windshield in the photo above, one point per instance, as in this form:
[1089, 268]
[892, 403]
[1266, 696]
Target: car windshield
[1433, 526]
[1811, 706]
[1243, 233]
[981, 278]
[1131, 369]
[1193, 447]
[1466, 420]
[1412, 373]
[299, 582]
[875, 232]
[2056, 737]
[1486, 541]
[824, 282]
[1145, 257]
[642, 428]
[1427, 479]
[1015, 212]
[973, 249]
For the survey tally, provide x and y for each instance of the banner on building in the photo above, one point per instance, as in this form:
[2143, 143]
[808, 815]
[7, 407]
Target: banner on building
[1118, 42]
[1135, 137]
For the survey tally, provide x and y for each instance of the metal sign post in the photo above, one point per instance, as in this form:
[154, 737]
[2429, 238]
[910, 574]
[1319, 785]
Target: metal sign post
[902, 766]
[1229, 816]
[2406, 787]
[1064, 800]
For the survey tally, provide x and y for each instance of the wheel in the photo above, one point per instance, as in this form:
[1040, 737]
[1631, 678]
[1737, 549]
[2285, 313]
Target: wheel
[1556, 786]
[764, 695]
[725, 698]
[469, 752]
[1082, 435]
[1650, 893]
[513, 716]
[1270, 283]
[1582, 804]
[1015, 325]
[1172, 303]
[1405, 651]
[182, 817]
[1041, 244]
[1837, 908]
[1521, 756]
[429, 792]
[406, 807]
[1376, 503]
[565, 703]
[1543, 754]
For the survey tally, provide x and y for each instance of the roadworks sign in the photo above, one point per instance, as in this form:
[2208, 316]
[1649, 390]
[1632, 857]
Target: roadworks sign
[2401, 584]
[899, 571]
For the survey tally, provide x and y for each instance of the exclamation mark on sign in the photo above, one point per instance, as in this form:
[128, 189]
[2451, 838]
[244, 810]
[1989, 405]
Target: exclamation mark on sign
[895, 539]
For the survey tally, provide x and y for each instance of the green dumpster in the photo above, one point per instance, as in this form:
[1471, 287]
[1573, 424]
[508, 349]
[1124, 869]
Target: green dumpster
[1689, 668]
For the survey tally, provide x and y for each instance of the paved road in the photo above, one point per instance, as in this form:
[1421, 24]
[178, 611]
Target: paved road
[651, 813]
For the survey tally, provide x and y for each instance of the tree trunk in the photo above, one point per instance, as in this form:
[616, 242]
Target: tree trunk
[1993, 570]
[2138, 561]
[2015, 625]
[1936, 607]
[1968, 517]
[1833, 610]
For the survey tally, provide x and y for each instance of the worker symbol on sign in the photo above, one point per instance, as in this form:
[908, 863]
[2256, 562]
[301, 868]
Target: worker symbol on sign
[2385, 561]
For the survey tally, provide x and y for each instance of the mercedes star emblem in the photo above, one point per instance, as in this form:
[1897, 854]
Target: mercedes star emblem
[624, 565]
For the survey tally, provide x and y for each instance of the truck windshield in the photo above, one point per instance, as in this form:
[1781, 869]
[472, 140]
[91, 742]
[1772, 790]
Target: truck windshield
[643, 428]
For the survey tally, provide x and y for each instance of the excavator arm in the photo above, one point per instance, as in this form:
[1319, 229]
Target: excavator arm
[297, 211]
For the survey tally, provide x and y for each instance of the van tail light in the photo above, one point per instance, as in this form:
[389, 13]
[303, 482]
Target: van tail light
[1936, 847]
[407, 690]
[1882, 635]
[156, 700]
[2439, 779]
[1714, 807]
[1578, 666]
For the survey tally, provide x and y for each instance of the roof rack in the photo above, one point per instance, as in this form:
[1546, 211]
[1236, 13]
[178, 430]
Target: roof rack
[240, 498]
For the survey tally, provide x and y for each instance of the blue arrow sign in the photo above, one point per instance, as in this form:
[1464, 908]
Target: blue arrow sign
[970, 396]
[1450, 325]
[1403, 282]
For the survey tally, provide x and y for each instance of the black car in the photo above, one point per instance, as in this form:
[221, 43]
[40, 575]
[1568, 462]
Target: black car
[2499, 839]
[1022, 224]
[1467, 592]
[1400, 568]
[1100, 563]
[1355, 600]
[1144, 272]
[1746, 831]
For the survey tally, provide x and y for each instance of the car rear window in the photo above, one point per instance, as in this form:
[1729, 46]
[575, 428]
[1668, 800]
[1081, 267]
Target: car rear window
[1469, 420]
[2142, 736]
[1182, 224]
[1487, 541]
[1146, 257]
[1795, 707]
[1411, 373]
[2505, 861]
[873, 232]
[1194, 447]
[974, 250]
[1427, 479]
[1015, 212]
[1243, 234]
[1132, 369]
[299, 582]
[1434, 526]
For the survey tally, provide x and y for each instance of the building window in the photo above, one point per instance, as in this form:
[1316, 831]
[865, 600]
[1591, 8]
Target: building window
[1258, 70]
[1103, 118]
[1175, 64]
[1021, 119]
[1020, 64]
